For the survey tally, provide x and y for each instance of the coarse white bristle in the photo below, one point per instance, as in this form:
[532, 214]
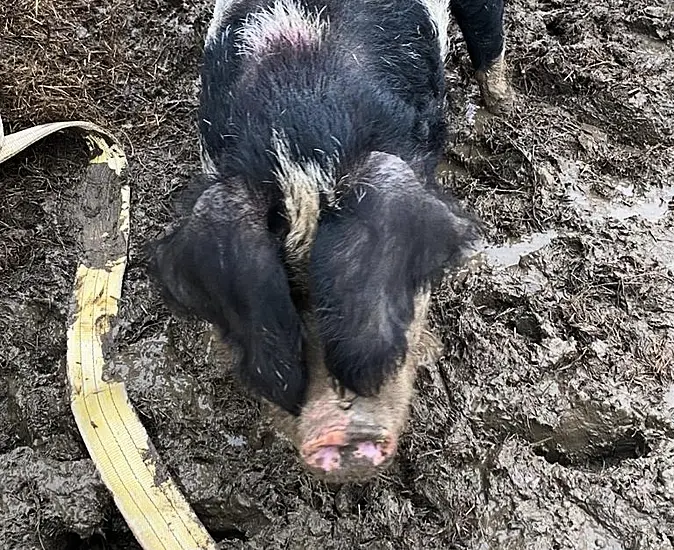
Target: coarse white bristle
[438, 10]
[285, 20]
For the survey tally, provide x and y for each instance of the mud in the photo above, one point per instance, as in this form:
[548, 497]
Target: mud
[549, 420]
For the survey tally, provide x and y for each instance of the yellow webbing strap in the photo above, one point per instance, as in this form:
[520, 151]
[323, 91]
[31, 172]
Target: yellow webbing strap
[151, 503]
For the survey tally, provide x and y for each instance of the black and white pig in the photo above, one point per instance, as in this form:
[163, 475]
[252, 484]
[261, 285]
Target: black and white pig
[321, 229]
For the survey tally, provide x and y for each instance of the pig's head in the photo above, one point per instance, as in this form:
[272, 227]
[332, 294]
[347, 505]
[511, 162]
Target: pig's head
[343, 436]
[330, 311]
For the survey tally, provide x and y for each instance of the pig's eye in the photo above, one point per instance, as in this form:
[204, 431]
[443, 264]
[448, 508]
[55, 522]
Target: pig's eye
[345, 396]
[345, 404]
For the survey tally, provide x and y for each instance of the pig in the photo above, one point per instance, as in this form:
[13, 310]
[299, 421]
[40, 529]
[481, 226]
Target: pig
[320, 230]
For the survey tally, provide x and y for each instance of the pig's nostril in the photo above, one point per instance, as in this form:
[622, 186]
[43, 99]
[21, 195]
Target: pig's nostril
[326, 459]
[375, 453]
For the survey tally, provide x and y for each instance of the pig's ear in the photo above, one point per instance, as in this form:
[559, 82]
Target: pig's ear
[224, 266]
[387, 240]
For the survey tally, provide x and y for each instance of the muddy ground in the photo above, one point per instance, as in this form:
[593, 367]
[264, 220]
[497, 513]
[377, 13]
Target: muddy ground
[549, 421]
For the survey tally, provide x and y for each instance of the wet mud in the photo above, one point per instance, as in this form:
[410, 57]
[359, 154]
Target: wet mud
[548, 422]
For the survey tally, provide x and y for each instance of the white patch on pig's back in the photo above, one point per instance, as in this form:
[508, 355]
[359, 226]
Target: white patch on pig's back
[284, 20]
[438, 11]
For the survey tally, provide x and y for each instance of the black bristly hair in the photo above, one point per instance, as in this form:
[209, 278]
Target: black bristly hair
[365, 105]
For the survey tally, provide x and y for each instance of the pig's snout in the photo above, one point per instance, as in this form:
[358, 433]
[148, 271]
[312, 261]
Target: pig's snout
[354, 459]
[340, 446]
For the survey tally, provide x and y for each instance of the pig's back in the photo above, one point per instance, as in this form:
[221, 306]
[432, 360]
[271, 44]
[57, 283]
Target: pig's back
[361, 76]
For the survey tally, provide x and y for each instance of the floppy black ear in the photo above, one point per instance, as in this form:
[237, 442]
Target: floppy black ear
[224, 266]
[388, 239]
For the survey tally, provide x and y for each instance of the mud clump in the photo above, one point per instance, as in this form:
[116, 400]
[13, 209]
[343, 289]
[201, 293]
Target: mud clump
[59, 499]
[548, 422]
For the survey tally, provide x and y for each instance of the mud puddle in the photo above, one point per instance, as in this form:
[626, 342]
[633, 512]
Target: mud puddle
[511, 253]
[651, 205]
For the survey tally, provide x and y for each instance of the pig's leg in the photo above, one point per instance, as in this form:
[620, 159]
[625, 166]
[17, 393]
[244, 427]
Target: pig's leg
[481, 23]
[224, 266]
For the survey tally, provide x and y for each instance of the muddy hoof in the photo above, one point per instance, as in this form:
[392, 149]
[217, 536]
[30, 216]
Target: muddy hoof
[495, 87]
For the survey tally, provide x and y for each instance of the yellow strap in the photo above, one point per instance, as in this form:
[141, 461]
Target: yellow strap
[153, 507]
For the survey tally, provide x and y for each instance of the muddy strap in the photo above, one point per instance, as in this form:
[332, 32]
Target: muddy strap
[150, 501]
